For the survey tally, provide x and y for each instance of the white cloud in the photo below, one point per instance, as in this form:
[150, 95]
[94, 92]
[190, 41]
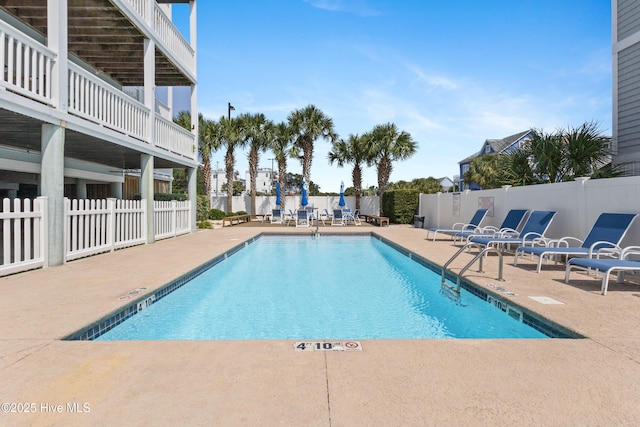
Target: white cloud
[357, 7]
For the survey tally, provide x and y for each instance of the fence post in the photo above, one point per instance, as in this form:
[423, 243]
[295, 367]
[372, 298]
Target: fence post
[111, 224]
[44, 233]
[143, 205]
[174, 218]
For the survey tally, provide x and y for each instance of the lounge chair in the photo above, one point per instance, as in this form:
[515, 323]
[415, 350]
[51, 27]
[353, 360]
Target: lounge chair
[607, 266]
[291, 216]
[325, 216]
[356, 218]
[337, 218]
[607, 232]
[534, 228]
[511, 224]
[302, 218]
[276, 216]
[459, 227]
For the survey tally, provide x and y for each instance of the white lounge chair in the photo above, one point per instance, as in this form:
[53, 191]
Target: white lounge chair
[337, 218]
[302, 218]
[459, 227]
[607, 232]
[276, 216]
[607, 266]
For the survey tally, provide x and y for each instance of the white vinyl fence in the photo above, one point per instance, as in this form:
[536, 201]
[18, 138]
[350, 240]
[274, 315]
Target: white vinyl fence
[172, 218]
[94, 226]
[90, 227]
[24, 235]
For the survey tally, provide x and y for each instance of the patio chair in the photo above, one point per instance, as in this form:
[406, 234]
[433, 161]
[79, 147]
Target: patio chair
[337, 218]
[276, 216]
[511, 224]
[458, 227]
[607, 266]
[325, 216]
[533, 229]
[302, 218]
[607, 232]
[291, 216]
[356, 218]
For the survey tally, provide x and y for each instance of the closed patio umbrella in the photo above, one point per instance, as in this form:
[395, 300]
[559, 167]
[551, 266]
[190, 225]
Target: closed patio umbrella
[341, 203]
[305, 200]
[278, 201]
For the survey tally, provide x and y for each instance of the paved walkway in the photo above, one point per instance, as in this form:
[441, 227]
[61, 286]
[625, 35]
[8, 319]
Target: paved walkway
[593, 381]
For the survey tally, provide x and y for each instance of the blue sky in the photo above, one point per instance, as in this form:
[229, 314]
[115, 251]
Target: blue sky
[452, 74]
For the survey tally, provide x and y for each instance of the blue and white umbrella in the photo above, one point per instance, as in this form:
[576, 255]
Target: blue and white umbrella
[341, 203]
[278, 201]
[305, 188]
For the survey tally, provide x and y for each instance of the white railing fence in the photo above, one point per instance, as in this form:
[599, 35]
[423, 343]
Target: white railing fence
[25, 64]
[171, 218]
[24, 235]
[96, 100]
[175, 138]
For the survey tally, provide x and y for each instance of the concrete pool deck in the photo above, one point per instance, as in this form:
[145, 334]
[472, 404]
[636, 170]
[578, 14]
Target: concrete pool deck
[591, 381]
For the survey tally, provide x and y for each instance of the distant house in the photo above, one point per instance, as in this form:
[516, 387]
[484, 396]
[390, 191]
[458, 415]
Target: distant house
[501, 146]
[446, 183]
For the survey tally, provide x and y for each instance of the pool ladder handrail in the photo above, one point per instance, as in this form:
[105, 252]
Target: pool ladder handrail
[479, 256]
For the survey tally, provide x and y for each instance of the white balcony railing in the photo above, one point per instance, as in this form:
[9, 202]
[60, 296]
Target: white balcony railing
[96, 100]
[167, 33]
[175, 138]
[26, 65]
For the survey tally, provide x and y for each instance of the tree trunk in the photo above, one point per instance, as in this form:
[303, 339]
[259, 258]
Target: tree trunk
[253, 176]
[230, 164]
[357, 184]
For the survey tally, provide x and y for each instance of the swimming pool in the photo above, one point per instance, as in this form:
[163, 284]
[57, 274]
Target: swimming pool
[331, 287]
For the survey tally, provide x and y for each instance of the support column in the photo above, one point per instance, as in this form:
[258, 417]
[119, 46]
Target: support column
[81, 188]
[52, 187]
[146, 192]
[57, 40]
[115, 190]
[192, 189]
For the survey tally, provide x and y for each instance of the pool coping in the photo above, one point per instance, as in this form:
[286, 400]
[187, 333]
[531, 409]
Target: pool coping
[530, 318]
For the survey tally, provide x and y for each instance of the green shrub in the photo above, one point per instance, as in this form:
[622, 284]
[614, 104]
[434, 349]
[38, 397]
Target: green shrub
[202, 208]
[204, 224]
[163, 197]
[216, 214]
[400, 205]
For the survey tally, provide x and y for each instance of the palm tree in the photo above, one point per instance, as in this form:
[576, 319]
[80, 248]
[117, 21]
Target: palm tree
[256, 133]
[548, 156]
[205, 145]
[586, 149]
[231, 138]
[387, 145]
[309, 124]
[281, 146]
[487, 171]
[353, 150]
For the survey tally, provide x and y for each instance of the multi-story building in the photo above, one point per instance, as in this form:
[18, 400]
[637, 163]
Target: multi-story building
[80, 100]
[625, 37]
[265, 181]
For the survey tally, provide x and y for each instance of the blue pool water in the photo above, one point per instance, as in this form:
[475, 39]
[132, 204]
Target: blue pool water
[332, 287]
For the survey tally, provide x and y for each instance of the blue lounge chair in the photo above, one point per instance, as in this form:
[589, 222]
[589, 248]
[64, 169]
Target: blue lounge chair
[534, 228]
[337, 218]
[511, 224]
[460, 226]
[607, 232]
[302, 218]
[607, 266]
[276, 216]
